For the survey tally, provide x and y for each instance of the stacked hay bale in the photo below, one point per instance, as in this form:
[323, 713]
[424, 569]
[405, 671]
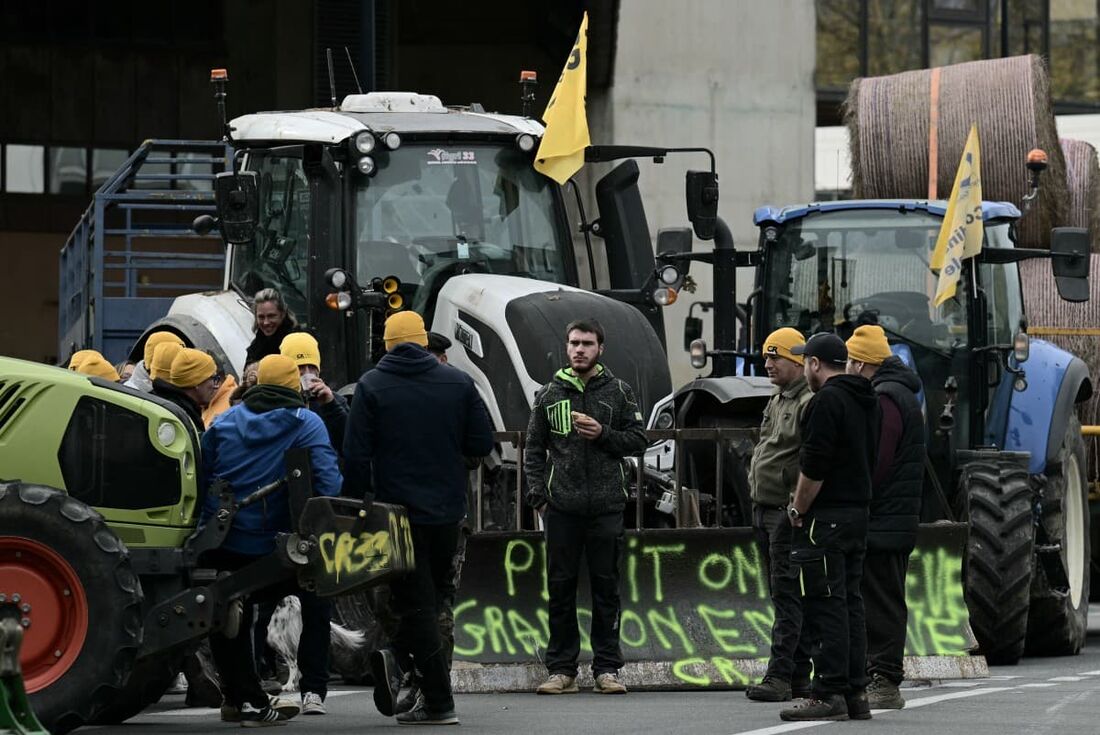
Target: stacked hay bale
[889, 119]
[1083, 180]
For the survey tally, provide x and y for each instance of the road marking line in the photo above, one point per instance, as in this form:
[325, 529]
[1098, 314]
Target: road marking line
[786, 727]
[205, 711]
[961, 684]
[1009, 677]
[1088, 673]
[1066, 678]
[1040, 684]
[925, 701]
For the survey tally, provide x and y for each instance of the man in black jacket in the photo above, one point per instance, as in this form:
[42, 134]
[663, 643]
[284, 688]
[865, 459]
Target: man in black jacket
[583, 423]
[192, 382]
[895, 509]
[413, 422]
[829, 513]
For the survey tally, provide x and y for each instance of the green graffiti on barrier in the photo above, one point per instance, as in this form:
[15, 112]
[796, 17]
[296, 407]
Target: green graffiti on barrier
[705, 615]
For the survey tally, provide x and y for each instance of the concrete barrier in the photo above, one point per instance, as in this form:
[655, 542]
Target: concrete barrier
[696, 612]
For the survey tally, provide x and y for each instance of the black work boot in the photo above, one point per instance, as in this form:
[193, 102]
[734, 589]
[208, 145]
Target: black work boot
[833, 707]
[858, 706]
[770, 690]
[801, 689]
[884, 694]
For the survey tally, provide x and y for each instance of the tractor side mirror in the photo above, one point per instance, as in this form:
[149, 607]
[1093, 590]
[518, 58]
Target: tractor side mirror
[1069, 259]
[693, 330]
[672, 241]
[238, 202]
[702, 202]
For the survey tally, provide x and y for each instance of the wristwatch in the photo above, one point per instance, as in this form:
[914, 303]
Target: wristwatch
[793, 513]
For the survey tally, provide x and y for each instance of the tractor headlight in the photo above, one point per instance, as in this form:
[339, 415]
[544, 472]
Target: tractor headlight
[663, 296]
[338, 301]
[166, 434]
[664, 420]
[365, 165]
[669, 275]
[525, 142]
[337, 278]
[392, 141]
[698, 353]
[365, 142]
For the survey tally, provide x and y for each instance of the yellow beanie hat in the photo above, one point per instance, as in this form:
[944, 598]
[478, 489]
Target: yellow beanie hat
[405, 326]
[163, 355]
[80, 356]
[302, 348]
[868, 344]
[96, 365]
[155, 339]
[780, 342]
[278, 370]
[191, 367]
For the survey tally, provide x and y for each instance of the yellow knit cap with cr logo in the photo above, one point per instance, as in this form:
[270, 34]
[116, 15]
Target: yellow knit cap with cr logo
[405, 326]
[302, 348]
[158, 338]
[278, 370]
[780, 342]
[868, 344]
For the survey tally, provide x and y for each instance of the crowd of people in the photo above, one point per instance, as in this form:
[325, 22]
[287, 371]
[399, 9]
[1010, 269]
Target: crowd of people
[835, 483]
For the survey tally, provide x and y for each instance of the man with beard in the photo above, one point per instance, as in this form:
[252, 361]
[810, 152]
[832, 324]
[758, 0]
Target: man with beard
[583, 423]
[829, 514]
[896, 487]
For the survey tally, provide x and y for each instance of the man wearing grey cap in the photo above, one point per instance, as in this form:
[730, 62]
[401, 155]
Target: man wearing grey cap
[829, 512]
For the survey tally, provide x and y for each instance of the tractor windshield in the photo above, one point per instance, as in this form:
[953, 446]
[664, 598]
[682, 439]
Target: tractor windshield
[433, 211]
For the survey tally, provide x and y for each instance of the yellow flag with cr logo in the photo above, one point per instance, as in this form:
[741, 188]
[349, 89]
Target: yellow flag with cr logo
[962, 230]
[561, 152]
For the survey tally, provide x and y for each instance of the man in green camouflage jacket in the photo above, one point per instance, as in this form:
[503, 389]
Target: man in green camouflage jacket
[583, 423]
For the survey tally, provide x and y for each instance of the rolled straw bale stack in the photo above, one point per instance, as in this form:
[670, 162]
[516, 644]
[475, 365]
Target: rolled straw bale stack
[1047, 312]
[888, 122]
[1083, 181]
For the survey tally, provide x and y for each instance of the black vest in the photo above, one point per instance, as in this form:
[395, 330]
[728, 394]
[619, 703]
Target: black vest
[895, 506]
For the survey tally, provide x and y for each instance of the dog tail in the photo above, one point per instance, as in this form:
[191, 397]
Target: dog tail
[346, 638]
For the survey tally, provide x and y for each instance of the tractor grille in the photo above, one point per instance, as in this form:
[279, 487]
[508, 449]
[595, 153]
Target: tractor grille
[10, 401]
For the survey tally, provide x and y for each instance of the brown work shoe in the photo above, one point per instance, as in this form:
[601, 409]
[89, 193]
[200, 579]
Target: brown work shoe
[558, 684]
[831, 708]
[883, 694]
[609, 684]
[770, 690]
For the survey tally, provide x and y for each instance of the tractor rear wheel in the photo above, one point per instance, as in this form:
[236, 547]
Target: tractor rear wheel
[71, 572]
[1058, 619]
[998, 564]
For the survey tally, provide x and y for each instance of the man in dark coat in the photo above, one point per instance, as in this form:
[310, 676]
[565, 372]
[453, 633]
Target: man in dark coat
[413, 422]
[583, 423]
[829, 513]
[895, 509]
[192, 382]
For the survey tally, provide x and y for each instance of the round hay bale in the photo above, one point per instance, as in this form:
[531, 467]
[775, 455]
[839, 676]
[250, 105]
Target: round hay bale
[888, 120]
[1083, 182]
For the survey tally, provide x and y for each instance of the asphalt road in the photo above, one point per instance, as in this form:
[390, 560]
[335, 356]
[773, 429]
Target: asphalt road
[1040, 696]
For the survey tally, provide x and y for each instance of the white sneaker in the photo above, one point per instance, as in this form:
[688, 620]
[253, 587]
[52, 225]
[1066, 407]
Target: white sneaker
[312, 704]
[179, 686]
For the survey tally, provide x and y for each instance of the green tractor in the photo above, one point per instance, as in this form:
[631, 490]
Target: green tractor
[100, 547]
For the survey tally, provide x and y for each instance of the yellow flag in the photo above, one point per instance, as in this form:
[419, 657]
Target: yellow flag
[961, 233]
[561, 153]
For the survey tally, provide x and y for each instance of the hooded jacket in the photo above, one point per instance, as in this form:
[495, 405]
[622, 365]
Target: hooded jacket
[573, 474]
[899, 476]
[839, 441]
[245, 446]
[411, 425]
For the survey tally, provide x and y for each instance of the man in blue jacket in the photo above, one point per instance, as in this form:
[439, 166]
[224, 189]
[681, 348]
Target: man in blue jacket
[413, 422]
[245, 446]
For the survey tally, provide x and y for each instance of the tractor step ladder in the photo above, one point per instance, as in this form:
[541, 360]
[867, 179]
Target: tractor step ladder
[16, 715]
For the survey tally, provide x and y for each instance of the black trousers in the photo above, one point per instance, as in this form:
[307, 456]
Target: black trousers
[790, 651]
[600, 540]
[417, 600]
[234, 657]
[884, 599]
[827, 553]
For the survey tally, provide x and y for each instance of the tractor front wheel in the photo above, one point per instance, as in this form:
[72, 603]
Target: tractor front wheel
[997, 495]
[80, 601]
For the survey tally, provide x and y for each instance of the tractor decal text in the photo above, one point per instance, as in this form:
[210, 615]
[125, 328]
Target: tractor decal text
[344, 553]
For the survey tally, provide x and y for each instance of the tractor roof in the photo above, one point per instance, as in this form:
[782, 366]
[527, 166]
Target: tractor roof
[402, 112]
[779, 215]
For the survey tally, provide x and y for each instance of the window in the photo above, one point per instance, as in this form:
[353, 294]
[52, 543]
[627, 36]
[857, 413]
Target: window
[68, 171]
[105, 161]
[24, 168]
[108, 460]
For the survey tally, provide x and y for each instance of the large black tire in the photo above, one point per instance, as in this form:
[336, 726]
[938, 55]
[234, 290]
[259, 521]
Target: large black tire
[999, 556]
[1058, 620]
[110, 590]
[149, 680]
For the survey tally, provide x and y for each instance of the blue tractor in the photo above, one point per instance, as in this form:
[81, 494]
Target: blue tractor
[1005, 448]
